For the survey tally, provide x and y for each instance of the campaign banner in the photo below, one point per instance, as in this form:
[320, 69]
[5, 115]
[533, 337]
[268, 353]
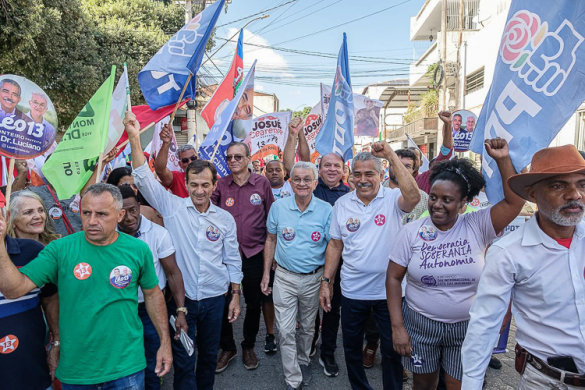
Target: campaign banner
[156, 144]
[313, 123]
[537, 83]
[118, 109]
[268, 134]
[28, 120]
[462, 125]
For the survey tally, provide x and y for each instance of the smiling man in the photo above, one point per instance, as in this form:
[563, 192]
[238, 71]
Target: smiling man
[39, 105]
[10, 95]
[275, 173]
[91, 305]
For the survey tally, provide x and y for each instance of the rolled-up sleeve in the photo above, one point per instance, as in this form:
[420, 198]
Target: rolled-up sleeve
[231, 253]
[163, 201]
[487, 313]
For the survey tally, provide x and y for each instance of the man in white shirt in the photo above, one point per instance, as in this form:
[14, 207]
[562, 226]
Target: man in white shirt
[275, 173]
[541, 266]
[361, 221]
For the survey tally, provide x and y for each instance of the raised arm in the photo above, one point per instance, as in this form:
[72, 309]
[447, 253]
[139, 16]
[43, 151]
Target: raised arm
[20, 180]
[105, 160]
[445, 117]
[294, 128]
[410, 193]
[303, 148]
[160, 163]
[508, 208]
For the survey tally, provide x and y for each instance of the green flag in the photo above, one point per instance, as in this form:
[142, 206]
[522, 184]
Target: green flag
[74, 159]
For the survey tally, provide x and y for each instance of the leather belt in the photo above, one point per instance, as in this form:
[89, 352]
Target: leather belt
[302, 273]
[552, 372]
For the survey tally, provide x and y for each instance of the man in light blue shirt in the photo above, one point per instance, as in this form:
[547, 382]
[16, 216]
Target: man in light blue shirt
[298, 233]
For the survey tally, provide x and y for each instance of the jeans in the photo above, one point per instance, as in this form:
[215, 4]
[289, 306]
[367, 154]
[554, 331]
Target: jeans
[354, 314]
[253, 270]
[372, 334]
[151, 346]
[204, 321]
[130, 382]
[330, 325]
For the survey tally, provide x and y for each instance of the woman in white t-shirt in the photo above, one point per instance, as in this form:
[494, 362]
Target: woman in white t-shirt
[444, 257]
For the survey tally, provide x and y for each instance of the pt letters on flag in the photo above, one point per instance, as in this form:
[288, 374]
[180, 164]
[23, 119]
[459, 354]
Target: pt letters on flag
[538, 83]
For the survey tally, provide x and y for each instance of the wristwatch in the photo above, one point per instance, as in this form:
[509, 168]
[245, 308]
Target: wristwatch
[323, 279]
[182, 309]
[237, 292]
[55, 343]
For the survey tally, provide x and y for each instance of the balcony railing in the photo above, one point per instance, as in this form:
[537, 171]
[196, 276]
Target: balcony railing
[420, 127]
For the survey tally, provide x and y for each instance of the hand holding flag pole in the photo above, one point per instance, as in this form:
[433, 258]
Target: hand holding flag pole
[10, 181]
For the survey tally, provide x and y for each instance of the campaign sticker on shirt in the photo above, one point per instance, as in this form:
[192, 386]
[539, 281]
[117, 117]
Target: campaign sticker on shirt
[315, 236]
[82, 271]
[288, 233]
[74, 206]
[55, 212]
[121, 276]
[428, 280]
[380, 220]
[8, 344]
[212, 233]
[417, 361]
[284, 194]
[352, 224]
[229, 202]
[428, 233]
[410, 217]
[255, 199]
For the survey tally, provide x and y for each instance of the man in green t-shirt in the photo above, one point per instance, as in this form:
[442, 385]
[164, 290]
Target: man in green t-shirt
[98, 273]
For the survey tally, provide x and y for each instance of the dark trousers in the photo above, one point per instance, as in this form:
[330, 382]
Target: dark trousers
[372, 334]
[204, 321]
[331, 319]
[151, 346]
[354, 314]
[253, 269]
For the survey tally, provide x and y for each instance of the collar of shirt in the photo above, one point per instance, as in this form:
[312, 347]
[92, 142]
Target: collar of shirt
[339, 187]
[145, 225]
[8, 113]
[211, 209]
[380, 194]
[310, 207]
[252, 179]
[534, 235]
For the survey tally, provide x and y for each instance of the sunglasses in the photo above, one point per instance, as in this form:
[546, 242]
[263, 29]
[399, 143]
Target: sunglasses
[236, 157]
[185, 160]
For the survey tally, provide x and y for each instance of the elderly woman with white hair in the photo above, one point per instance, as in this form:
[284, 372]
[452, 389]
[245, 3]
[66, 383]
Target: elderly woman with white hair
[28, 218]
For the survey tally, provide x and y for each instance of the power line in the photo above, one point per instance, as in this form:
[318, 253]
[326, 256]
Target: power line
[258, 13]
[303, 17]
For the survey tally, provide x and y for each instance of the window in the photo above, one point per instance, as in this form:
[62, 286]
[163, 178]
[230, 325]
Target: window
[474, 81]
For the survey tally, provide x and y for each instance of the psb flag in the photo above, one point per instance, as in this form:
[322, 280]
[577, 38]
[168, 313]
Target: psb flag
[163, 78]
[336, 135]
[538, 83]
[72, 163]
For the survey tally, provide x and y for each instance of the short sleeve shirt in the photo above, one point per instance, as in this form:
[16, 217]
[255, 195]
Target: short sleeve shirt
[283, 192]
[368, 234]
[444, 266]
[101, 333]
[178, 185]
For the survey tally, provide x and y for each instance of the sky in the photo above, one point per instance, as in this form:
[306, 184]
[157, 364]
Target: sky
[379, 44]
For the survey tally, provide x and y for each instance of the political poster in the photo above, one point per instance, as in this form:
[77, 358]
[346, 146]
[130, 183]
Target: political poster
[156, 144]
[463, 124]
[268, 134]
[28, 121]
[313, 123]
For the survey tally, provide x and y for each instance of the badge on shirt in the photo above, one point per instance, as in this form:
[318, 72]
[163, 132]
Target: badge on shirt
[121, 276]
[8, 344]
[417, 361]
[284, 194]
[427, 233]
[55, 212]
[212, 233]
[288, 234]
[82, 271]
[229, 202]
[352, 224]
[410, 217]
[74, 206]
[428, 280]
[380, 220]
[255, 199]
[315, 236]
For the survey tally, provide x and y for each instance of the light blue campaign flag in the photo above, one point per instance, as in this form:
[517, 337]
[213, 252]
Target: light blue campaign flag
[220, 159]
[336, 135]
[538, 83]
[163, 78]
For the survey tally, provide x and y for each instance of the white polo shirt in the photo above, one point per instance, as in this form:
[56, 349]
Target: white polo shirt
[368, 233]
[161, 245]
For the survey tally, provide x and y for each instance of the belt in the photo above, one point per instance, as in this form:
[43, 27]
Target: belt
[302, 273]
[554, 373]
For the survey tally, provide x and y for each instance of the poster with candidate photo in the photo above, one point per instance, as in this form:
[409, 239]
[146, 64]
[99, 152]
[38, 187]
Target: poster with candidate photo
[463, 123]
[28, 121]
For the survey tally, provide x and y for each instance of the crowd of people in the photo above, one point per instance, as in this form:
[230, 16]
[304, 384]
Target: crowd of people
[393, 255]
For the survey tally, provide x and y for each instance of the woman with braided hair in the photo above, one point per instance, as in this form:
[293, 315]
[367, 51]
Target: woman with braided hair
[444, 257]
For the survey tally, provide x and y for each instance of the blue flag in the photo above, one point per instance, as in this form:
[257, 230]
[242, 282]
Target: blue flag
[219, 160]
[538, 83]
[163, 78]
[336, 135]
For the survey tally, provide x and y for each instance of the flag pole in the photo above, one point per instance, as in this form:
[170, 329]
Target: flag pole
[10, 180]
[129, 108]
[140, 132]
[180, 99]
[215, 149]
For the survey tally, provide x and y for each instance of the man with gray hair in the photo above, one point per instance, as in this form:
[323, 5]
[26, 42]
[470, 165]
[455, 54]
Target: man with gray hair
[173, 180]
[360, 219]
[39, 104]
[82, 266]
[298, 232]
[10, 95]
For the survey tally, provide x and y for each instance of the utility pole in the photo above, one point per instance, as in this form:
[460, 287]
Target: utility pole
[444, 53]
[188, 11]
[459, 76]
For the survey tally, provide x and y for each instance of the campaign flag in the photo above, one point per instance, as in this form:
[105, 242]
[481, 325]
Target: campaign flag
[538, 83]
[75, 157]
[268, 134]
[163, 77]
[118, 109]
[336, 135]
[425, 164]
[312, 126]
[226, 91]
[219, 160]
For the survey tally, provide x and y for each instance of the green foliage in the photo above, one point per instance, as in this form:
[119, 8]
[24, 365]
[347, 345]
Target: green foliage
[428, 108]
[431, 73]
[303, 113]
[67, 47]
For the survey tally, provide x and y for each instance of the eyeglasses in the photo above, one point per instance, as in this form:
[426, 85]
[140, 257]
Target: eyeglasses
[132, 185]
[185, 160]
[298, 180]
[237, 157]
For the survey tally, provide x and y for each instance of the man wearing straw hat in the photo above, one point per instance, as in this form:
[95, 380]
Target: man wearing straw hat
[541, 267]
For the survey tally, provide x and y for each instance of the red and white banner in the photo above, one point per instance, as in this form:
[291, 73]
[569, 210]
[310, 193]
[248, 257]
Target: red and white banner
[268, 134]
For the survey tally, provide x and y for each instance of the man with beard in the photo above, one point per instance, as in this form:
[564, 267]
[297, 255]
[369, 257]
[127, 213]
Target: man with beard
[541, 266]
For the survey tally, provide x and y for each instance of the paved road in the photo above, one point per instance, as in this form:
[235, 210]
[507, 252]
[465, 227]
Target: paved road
[269, 374]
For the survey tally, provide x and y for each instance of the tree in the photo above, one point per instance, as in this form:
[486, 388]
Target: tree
[303, 113]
